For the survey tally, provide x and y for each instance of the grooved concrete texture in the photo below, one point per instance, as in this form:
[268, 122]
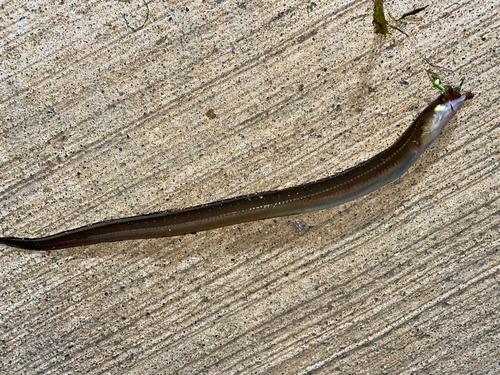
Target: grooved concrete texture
[99, 122]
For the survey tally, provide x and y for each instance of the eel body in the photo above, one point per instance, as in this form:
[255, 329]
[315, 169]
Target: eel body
[328, 192]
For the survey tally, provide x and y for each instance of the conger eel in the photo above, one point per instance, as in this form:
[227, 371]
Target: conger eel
[328, 192]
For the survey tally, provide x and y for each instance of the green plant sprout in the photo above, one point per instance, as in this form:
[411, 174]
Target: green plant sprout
[436, 80]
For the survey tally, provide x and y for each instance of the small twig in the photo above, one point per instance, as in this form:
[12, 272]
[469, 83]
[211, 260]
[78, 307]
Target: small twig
[412, 12]
[144, 23]
[379, 20]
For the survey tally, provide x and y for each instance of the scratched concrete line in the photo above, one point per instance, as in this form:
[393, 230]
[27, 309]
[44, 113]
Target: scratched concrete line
[106, 46]
[374, 292]
[20, 41]
[403, 320]
[466, 302]
[423, 324]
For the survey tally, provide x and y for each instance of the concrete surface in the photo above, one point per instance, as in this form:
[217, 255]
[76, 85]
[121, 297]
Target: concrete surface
[99, 122]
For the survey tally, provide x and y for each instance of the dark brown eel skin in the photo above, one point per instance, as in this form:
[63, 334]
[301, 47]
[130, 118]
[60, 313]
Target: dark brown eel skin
[328, 192]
